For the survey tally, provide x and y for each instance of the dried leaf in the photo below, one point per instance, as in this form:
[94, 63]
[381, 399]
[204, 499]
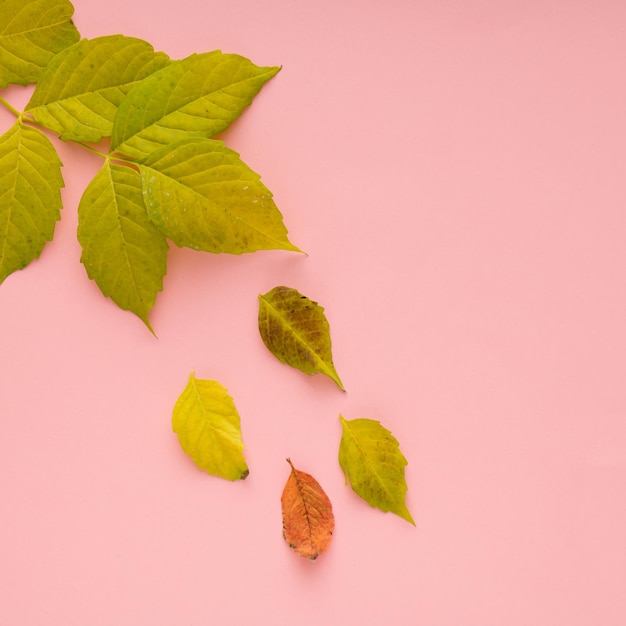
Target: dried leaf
[296, 331]
[209, 430]
[308, 520]
[371, 461]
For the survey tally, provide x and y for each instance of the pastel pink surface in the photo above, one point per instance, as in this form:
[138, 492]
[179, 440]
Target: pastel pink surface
[455, 172]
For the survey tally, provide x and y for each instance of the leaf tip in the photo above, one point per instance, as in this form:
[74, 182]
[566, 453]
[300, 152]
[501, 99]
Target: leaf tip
[149, 327]
[406, 515]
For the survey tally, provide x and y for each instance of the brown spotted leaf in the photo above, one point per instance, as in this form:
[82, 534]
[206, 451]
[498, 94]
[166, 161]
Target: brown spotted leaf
[296, 331]
[308, 520]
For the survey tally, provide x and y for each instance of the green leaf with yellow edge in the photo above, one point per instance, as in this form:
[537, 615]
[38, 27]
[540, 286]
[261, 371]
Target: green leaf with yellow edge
[372, 463]
[31, 33]
[122, 250]
[30, 196]
[209, 430]
[201, 195]
[79, 92]
[198, 96]
[296, 331]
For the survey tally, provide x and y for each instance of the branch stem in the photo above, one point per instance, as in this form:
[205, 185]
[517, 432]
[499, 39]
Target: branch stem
[10, 108]
[93, 150]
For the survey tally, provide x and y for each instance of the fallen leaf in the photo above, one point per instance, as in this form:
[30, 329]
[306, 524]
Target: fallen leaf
[372, 463]
[308, 520]
[208, 428]
[296, 331]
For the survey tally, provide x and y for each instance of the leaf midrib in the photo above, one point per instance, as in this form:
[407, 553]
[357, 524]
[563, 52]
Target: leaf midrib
[129, 265]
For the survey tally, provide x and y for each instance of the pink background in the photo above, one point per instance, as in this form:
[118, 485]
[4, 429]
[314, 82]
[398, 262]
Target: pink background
[455, 171]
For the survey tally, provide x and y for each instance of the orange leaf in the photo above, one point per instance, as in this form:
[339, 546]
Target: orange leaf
[308, 519]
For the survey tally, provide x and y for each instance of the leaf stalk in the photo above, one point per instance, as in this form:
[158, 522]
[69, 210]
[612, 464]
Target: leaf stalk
[8, 106]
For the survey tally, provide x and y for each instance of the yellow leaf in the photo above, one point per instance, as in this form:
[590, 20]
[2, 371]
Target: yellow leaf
[308, 520]
[296, 331]
[371, 461]
[208, 428]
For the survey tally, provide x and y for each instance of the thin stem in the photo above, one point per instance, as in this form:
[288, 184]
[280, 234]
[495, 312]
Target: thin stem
[88, 147]
[8, 106]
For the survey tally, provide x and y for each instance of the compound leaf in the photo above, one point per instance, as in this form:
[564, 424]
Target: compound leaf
[197, 96]
[296, 331]
[308, 520]
[372, 463]
[208, 428]
[201, 195]
[31, 33]
[30, 196]
[81, 89]
[122, 250]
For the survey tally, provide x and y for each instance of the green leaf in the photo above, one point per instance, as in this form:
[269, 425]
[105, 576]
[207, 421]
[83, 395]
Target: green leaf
[30, 196]
[296, 331]
[198, 96]
[31, 33]
[209, 430]
[122, 250]
[372, 463]
[201, 195]
[81, 89]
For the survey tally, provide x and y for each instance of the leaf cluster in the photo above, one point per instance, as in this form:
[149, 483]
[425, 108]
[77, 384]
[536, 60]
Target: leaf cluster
[164, 177]
[296, 331]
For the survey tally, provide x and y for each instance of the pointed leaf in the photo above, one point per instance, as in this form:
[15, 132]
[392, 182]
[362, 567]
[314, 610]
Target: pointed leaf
[197, 96]
[372, 463]
[80, 90]
[200, 194]
[296, 331]
[30, 196]
[308, 520]
[31, 33]
[122, 249]
[208, 428]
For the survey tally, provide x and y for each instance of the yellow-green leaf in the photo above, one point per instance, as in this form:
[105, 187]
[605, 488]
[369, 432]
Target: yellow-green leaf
[30, 196]
[122, 249]
[372, 463]
[209, 430]
[31, 33]
[198, 96]
[80, 90]
[201, 195]
[296, 331]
